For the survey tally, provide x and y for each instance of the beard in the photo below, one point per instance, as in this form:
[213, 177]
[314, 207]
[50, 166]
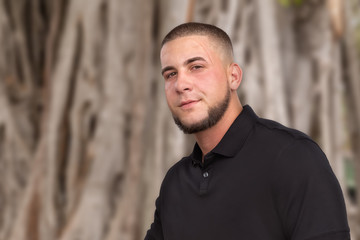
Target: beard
[215, 113]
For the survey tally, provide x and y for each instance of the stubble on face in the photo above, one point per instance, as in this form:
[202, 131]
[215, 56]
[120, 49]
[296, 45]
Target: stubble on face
[215, 113]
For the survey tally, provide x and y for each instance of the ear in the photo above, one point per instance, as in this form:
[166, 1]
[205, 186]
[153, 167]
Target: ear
[235, 77]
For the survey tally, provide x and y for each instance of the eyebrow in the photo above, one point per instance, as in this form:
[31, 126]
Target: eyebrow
[194, 59]
[187, 62]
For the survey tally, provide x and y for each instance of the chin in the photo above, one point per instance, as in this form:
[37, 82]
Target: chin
[192, 120]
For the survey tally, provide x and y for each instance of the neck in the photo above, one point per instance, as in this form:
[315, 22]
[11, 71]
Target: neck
[209, 138]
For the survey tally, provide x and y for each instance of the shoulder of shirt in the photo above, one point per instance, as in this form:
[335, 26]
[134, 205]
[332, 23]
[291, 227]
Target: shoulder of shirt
[282, 130]
[175, 168]
[282, 137]
[179, 163]
[291, 139]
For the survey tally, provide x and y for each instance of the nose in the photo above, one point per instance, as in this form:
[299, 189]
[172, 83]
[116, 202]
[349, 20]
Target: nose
[183, 83]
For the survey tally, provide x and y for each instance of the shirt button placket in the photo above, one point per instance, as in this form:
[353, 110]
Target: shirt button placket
[204, 183]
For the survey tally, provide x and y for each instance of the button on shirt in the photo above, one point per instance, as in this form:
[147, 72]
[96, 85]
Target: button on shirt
[263, 181]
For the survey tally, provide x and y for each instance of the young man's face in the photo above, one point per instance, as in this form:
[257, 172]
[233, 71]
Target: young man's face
[196, 82]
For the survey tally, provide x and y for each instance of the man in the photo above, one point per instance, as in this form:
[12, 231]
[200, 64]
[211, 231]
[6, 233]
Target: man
[247, 177]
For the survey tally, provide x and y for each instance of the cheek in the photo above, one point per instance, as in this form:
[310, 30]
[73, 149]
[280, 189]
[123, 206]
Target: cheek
[215, 88]
[169, 93]
[168, 86]
[212, 81]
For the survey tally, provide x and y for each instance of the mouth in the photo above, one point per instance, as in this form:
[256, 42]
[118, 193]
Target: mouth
[188, 104]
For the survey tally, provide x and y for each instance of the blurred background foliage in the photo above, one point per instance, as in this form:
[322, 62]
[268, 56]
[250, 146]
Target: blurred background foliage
[288, 3]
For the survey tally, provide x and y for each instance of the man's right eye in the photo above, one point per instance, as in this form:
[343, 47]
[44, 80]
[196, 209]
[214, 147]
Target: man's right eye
[170, 75]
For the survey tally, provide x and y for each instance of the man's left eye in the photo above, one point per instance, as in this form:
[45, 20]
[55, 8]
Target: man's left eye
[196, 67]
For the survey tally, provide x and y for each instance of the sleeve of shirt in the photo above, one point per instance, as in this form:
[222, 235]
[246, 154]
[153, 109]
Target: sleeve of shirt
[155, 232]
[307, 194]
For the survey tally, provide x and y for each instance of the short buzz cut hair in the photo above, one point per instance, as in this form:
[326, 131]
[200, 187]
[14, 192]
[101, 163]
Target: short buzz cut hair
[202, 29]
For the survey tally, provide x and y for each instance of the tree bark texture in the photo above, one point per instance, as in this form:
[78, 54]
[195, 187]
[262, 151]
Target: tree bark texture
[85, 134]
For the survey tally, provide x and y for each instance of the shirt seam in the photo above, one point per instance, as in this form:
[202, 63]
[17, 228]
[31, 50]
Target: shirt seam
[284, 129]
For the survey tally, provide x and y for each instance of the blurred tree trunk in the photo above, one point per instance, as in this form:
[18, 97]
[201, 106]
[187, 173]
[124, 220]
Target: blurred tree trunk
[85, 133]
[273, 82]
[352, 78]
[75, 111]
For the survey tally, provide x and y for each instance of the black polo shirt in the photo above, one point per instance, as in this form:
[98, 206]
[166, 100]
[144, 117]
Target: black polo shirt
[263, 181]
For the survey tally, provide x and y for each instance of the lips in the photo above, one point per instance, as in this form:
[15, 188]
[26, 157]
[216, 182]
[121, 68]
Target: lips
[188, 103]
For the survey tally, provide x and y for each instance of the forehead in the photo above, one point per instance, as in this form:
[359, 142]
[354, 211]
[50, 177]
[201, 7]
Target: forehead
[183, 48]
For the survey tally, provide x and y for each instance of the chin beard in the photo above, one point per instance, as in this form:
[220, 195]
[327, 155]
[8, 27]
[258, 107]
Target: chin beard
[215, 113]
